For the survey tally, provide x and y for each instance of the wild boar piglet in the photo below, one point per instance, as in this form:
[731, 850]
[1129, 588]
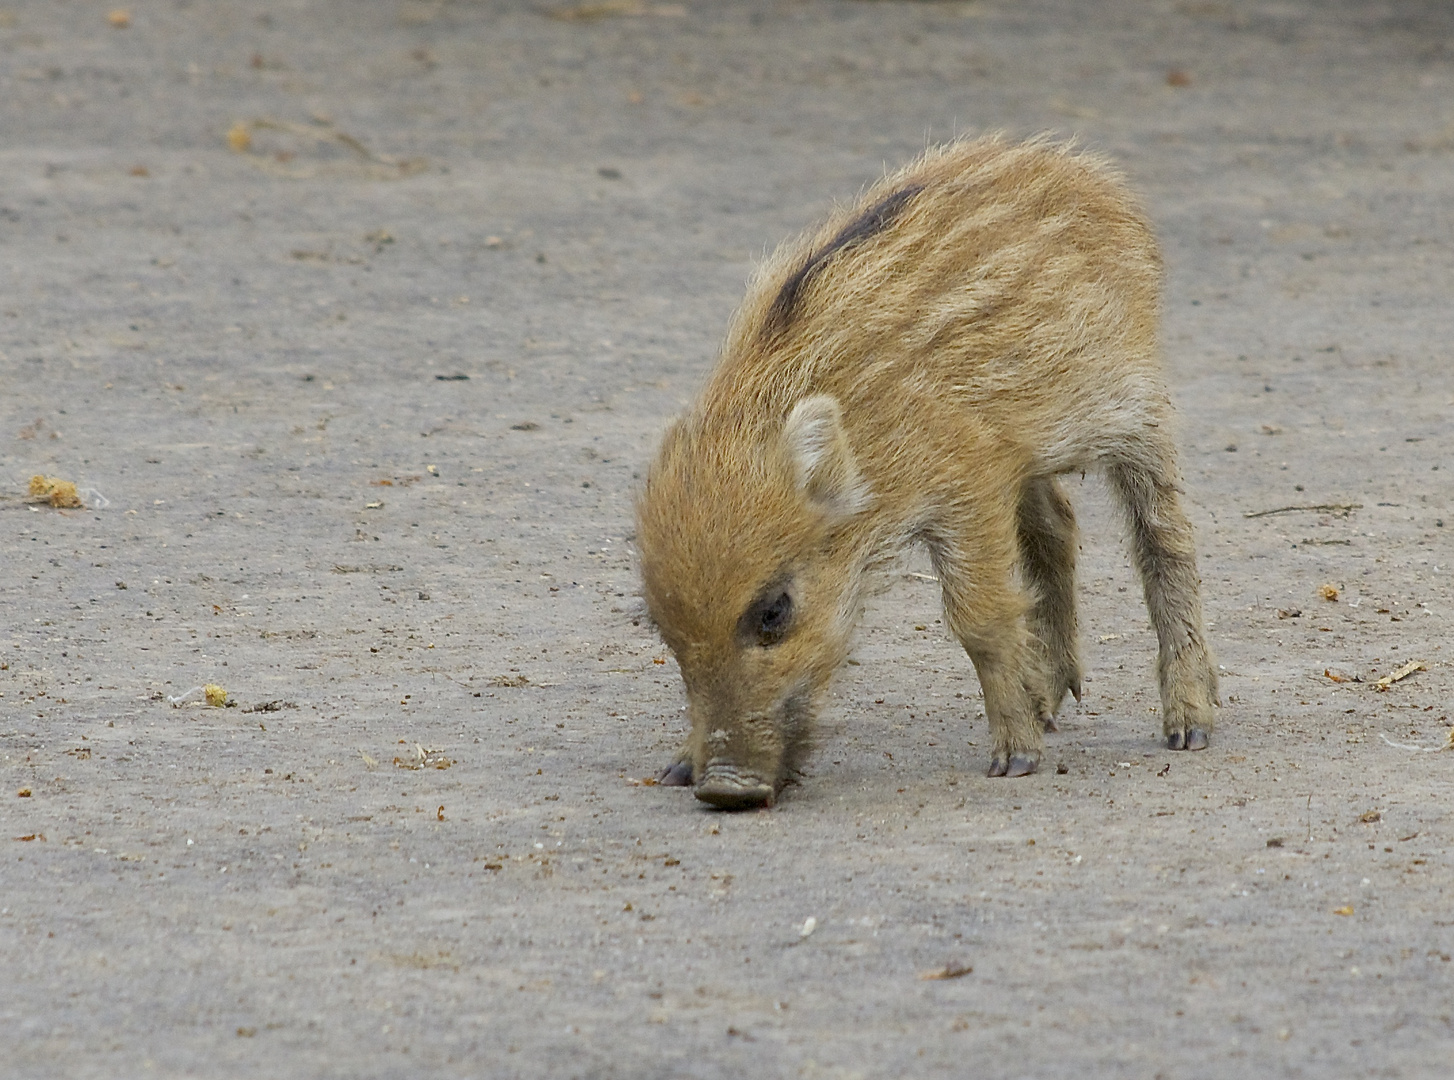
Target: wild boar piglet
[921, 369]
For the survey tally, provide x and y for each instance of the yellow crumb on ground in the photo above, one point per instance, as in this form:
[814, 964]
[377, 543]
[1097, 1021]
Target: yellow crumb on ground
[60, 492]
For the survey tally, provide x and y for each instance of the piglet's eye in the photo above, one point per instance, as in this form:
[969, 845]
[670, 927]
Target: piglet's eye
[772, 619]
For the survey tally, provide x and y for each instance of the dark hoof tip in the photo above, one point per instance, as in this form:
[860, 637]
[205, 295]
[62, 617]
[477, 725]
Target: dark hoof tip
[1049, 723]
[1176, 741]
[1197, 739]
[998, 767]
[1022, 765]
[678, 774]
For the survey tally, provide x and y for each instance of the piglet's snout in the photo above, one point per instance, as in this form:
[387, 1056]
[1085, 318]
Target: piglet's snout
[729, 787]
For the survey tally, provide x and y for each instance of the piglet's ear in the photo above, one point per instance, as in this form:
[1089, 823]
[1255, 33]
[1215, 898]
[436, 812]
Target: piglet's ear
[827, 474]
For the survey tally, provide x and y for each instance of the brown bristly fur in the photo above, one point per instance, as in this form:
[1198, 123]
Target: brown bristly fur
[921, 368]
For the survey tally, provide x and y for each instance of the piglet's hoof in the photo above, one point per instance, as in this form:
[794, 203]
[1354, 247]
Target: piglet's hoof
[1192, 739]
[677, 774]
[1014, 765]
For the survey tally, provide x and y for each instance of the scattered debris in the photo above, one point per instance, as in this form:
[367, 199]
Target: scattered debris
[439, 814]
[509, 680]
[242, 139]
[215, 695]
[1325, 508]
[23, 793]
[31, 836]
[457, 377]
[425, 759]
[809, 925]
[609, 9]
[1328, 593]
[948, 971]
[645, 781]
[1339, 677]
[1417, 749]
[1290, 613]
[1399, 675]
[369, 762]
[1346, 909]
[371, 569]
[1276, 841]
[1370, 816]
[525, 425]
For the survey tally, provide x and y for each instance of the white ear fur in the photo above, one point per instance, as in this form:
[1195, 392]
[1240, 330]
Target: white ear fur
[827, 472]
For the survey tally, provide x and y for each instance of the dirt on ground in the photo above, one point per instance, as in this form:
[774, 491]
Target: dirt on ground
[328, 717]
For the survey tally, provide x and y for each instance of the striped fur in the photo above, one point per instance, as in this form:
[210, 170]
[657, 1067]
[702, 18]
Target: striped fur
[921, 368]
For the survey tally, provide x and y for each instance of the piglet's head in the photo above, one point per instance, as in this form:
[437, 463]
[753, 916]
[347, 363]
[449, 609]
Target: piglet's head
[744, 530]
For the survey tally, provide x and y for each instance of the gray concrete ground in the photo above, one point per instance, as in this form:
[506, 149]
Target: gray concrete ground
[256, 350]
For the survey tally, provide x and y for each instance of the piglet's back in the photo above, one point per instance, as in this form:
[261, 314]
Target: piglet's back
[1014, 278]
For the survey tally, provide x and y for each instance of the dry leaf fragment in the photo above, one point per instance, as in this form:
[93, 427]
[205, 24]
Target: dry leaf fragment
[1399, 675]
[948, 971]
[1329, 593]
[369, 762]
[1370, 816]
[23, 793]
[1329, 673]
[60, 493]
[1346, 909]
[1289, 613]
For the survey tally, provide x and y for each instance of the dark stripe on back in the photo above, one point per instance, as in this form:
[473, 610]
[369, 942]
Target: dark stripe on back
[873, 220]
